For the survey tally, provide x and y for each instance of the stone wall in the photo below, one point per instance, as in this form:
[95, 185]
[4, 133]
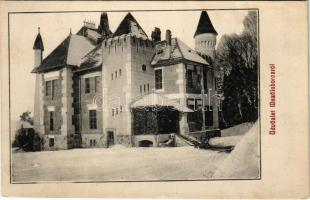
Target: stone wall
[124, 58]
[60, 142]
[53, 103]
[91, 101]
[67, 111]
[99, 138]
[61, 103]
[155, 139]
[170, 77]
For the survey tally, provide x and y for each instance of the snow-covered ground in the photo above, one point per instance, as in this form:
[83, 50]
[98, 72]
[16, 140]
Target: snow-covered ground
[244, 161]
[122, 164]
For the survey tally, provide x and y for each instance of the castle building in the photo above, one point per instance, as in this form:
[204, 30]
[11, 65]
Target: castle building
[99, 88]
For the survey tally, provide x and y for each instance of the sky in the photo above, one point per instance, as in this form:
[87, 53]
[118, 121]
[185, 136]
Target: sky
[55, 27]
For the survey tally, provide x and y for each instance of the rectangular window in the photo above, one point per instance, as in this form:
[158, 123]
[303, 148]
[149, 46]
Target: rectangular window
[92, 143]
[144, 88]
[120, 72]
[158, 79]
[112, 111]
[112, 76]
[140, 89]
[93, 119]
[148, 87]
[116, 111]
[51, 142]
[73, 119]
[115, 74]
[51, 115]
[120, 109]
[87, 85]
[205, 82]
[53, 88]
[209, 116]
[47, 88]
[97, 83]
[191, 103]
[189, 78]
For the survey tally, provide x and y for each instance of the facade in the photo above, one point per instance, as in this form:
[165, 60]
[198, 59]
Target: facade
[99, 88]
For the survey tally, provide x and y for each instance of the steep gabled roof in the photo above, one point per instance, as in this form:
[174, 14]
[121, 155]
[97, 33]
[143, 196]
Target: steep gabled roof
[38, 43]
[129, 25]
[179, 51]
[204, 24]
[68, 52]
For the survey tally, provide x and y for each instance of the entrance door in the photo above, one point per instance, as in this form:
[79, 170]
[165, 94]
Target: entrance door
[110, 138]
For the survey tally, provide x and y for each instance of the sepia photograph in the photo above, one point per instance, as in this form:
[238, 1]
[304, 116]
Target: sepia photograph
[134, 96]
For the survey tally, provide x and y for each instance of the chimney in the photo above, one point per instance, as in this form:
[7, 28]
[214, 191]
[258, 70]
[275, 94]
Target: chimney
[89, 24]
[168, 37]
[168, 40]
[156, 35]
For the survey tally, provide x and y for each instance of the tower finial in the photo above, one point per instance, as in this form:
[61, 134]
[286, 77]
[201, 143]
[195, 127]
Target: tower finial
[38, 43]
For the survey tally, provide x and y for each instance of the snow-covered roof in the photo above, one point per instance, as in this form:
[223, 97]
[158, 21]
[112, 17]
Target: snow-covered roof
[178, 51]
[68, 52]
[79, 46]
[157, 100]
[89, 33]
[129, 25]
[93, 58]
[25, 124]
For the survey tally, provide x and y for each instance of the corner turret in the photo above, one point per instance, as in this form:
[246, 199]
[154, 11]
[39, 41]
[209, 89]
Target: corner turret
[38, 96]
[205, 36]
[38, 48]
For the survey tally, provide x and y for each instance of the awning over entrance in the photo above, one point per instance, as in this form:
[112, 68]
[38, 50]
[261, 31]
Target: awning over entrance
[158, 100]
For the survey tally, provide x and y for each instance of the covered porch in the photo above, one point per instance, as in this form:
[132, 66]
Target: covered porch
[154, 118]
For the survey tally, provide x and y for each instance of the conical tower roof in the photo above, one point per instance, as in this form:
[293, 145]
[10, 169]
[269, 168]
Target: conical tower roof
[38, 43]
[204, 24]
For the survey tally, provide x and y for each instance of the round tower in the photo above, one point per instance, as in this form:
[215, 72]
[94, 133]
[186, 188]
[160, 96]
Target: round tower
[38, 49]
[205, 36]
